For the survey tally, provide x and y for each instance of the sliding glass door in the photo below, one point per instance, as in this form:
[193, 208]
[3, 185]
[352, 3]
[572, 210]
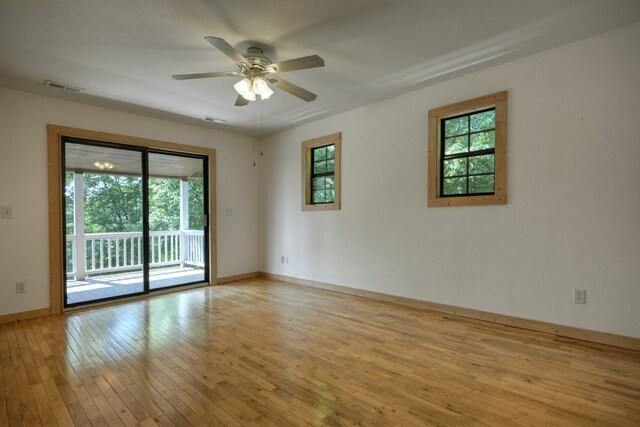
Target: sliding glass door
[176, 220]
[135, 220]
[104, 222]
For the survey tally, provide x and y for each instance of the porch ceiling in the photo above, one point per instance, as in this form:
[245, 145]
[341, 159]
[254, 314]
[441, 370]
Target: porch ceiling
[82, 158]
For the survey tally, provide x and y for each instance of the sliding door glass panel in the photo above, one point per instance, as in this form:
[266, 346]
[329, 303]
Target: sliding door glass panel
[103, 223]
[177, 203]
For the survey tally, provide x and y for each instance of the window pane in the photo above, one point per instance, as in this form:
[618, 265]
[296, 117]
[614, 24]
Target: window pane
[318, 197]
[456, 126]
[485, 120]
[328, 196]
[454, 186]
[481, 164]
[320, 167]
[331, 165]
[457, 144]
[481, 184]
[455, 167]
[331, 151]
[318, 183]
[328, 182]
[483, 140]
[69, 190]
[319, 153]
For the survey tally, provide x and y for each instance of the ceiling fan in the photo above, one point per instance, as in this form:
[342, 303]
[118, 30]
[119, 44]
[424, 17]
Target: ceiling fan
[257, 71]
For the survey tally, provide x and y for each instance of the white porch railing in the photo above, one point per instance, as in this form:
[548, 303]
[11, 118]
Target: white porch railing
[193, 244]
[113, 252]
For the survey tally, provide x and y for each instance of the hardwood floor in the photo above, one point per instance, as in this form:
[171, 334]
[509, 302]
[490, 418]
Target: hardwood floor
[259, 352]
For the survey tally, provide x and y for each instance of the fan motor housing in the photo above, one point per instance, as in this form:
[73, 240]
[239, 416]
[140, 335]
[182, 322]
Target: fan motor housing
[258, 62]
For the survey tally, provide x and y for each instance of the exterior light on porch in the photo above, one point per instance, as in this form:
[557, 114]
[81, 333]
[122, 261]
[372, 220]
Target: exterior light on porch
[103, 165]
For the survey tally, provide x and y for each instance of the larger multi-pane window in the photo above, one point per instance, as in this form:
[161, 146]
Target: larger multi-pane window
[468, 163]
[321, 173]
[467, 152]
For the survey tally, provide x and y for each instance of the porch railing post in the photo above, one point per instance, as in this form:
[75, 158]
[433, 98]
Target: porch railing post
[184, 219]
[78, 225]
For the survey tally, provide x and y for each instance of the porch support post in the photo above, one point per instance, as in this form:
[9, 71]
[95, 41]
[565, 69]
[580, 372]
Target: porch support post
[184, 219]
[78, 225]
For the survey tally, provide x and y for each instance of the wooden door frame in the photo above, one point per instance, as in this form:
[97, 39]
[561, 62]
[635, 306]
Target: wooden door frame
[55, 173]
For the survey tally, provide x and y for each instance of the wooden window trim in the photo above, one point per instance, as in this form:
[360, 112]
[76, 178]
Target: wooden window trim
[55, 176]
[307, 146]
[499, 102]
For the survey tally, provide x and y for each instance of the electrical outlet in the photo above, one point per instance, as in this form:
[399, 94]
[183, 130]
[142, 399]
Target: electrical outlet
[579, 296]
[281, 259]
[6, 212]
[21, 288]
[286, 260]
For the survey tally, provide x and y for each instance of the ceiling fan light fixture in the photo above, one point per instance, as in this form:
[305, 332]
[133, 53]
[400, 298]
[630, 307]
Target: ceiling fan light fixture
[103, 165]
[260, 87]
[249, 87]
[253, 67]
[243, 86]
[249, 96]
[266, 94]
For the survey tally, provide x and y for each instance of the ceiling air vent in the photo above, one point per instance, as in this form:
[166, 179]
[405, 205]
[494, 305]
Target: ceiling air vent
[63, 86]
[213, 119]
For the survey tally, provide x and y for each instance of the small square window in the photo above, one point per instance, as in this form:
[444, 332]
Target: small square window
[321, 173]
[467, 152]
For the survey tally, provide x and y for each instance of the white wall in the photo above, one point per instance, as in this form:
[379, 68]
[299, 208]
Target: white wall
[573, 213]
[23, 185]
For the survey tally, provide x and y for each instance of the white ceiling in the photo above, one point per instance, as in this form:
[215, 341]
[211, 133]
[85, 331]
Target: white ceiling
[124, 52]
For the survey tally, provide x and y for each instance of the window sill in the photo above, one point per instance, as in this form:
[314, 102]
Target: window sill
[467, 201]
[322, 207]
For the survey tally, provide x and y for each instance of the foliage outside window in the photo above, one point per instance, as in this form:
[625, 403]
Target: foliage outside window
[467, 152]
[112, 203]
[321, 173]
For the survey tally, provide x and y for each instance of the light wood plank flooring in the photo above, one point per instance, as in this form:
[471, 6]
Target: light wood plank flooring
[264, 353]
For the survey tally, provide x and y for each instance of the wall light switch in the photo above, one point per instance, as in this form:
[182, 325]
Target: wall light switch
[6, 212]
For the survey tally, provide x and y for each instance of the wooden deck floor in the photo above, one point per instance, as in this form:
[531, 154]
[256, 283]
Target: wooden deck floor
[114, 285]
[259, 352]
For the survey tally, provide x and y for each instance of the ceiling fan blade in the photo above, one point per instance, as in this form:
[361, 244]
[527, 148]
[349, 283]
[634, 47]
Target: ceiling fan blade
[293, 89]
[205, 75]
[240, 101]
[311, 61]
[227, 49]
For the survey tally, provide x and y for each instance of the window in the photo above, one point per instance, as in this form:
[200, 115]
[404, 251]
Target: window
[467, 152]
[321, 173]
